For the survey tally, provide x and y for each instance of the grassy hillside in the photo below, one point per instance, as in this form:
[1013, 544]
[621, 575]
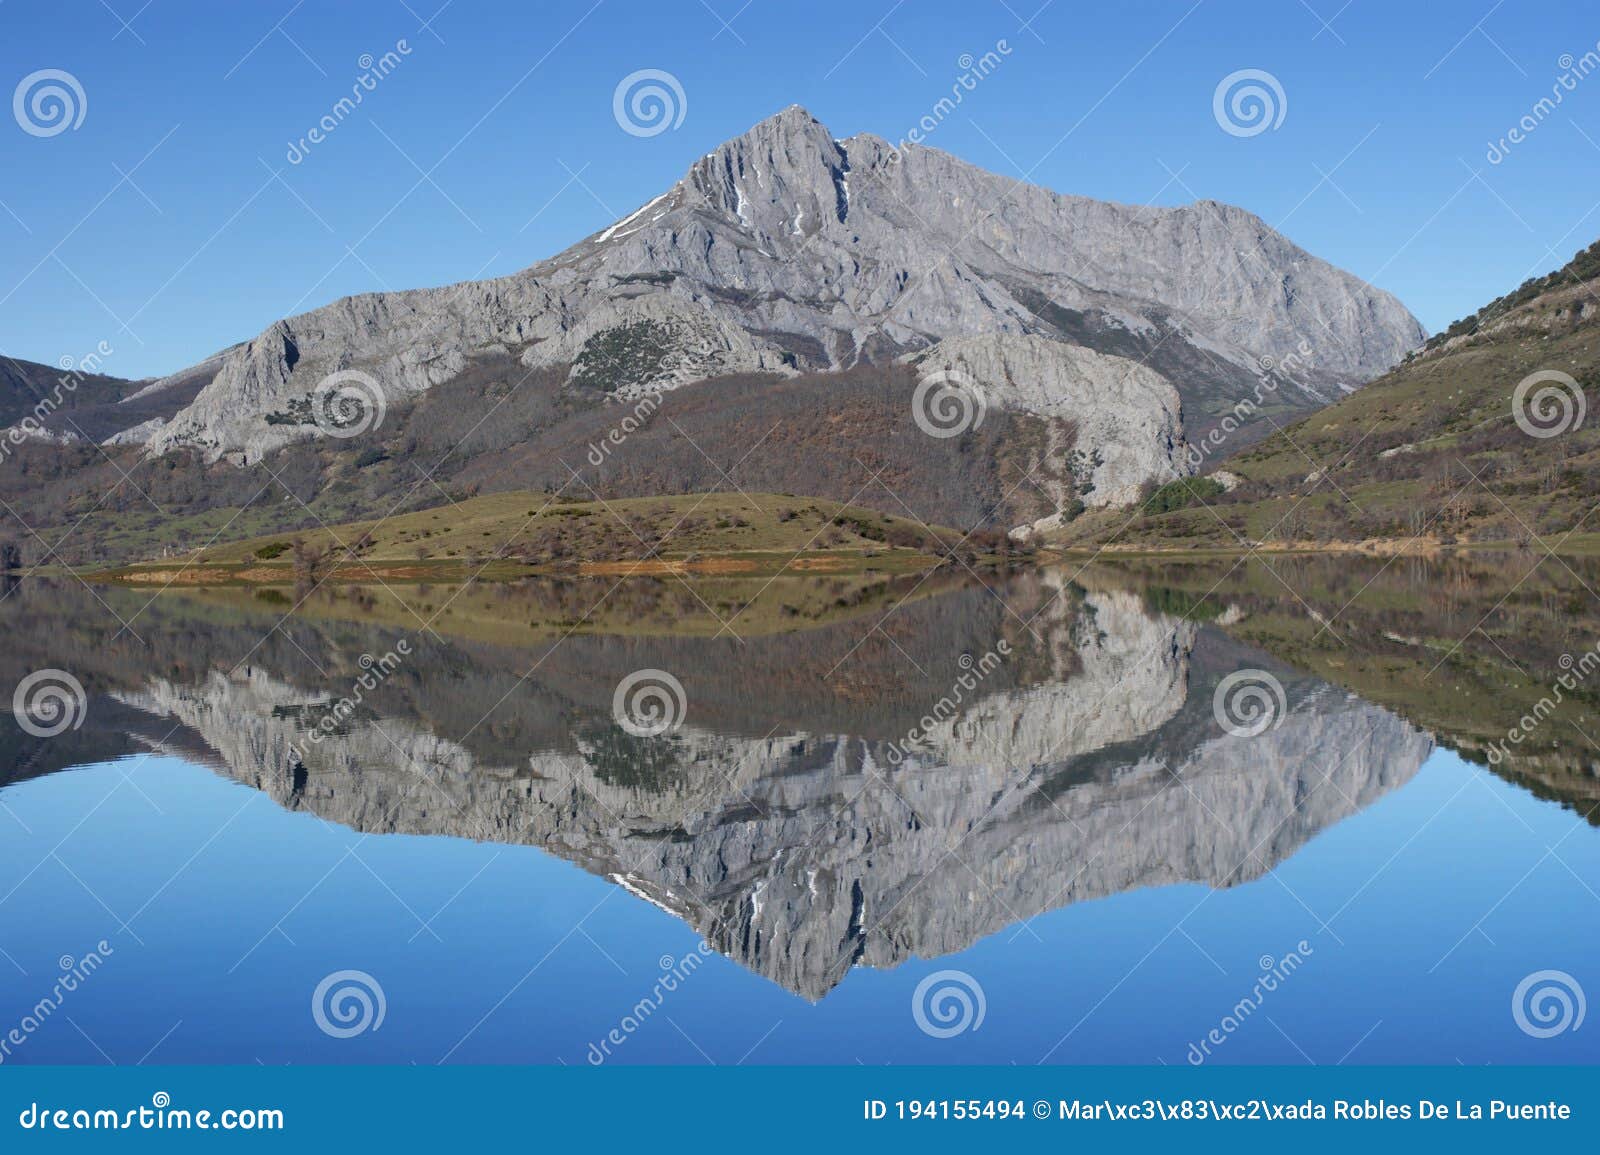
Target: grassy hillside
[1429, 454]
[497, 428]
[512, 533]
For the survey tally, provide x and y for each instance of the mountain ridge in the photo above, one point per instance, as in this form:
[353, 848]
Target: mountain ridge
[1478, 438]
[789, 299]
[888, 269]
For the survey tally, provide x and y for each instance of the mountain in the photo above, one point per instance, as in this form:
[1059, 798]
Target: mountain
[74, 403]
[786, 250]
[802, 287]
[1481, 436]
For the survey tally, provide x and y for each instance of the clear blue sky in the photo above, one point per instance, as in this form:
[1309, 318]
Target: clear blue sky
[503, 103]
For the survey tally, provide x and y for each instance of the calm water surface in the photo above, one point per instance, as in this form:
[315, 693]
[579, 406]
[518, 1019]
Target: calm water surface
[1145, 789]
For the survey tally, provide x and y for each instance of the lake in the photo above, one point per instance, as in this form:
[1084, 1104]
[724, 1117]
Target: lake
[1299, 810]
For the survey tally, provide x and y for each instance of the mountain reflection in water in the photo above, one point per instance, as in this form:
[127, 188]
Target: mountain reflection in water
[811, 813]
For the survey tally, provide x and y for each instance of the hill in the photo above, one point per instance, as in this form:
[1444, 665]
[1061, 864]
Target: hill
[1480, 438]
[511, 534]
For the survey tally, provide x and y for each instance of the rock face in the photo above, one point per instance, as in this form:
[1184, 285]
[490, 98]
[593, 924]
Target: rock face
[1128, 417]
[802, 854]
[786, 250]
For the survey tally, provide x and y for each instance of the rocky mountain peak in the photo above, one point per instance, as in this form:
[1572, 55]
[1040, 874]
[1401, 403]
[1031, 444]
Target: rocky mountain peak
[789, 251]
[784, 180]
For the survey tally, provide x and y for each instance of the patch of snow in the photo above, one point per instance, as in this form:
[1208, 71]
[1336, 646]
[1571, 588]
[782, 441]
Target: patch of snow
[607, 235]
[634, 889]
[1131, 322]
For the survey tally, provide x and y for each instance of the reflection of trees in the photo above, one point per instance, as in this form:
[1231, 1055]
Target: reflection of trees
[1462, 643]
[621, 759]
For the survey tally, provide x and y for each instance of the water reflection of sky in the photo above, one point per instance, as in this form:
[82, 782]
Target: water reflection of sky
[1423, 911]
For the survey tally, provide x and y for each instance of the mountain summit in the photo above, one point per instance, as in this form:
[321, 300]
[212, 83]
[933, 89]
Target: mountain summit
[799, 314]
[788, 251]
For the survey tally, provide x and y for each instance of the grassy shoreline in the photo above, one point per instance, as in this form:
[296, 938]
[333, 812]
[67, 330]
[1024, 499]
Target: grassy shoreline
[504, 537]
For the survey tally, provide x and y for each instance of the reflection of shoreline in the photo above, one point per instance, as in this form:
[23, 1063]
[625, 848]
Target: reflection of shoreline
[631, 601]
[1467, 646]
[772, 822]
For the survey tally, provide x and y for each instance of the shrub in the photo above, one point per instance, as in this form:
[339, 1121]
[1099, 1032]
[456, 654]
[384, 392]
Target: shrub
[1181, 494]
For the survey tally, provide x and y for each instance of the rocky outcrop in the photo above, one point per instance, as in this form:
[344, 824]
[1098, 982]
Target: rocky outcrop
[1128, 418]
[786, 249]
